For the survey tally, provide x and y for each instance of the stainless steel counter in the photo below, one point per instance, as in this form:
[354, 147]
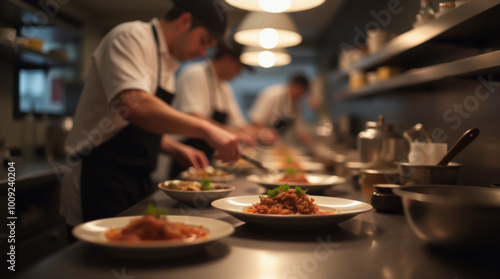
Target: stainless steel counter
[372, 245]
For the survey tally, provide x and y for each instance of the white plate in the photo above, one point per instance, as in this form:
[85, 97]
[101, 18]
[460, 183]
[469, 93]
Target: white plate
[202, 198]
[93, 232]
[317, 182]
[348, 209]
[186, 175]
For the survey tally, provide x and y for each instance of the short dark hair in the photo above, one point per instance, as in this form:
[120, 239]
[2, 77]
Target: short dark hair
[300, 79]
[177, 11]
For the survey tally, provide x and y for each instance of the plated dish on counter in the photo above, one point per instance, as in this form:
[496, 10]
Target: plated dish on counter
[154, 241]
[195, 192]
[315, 182]
[332, 211]
[215, 175]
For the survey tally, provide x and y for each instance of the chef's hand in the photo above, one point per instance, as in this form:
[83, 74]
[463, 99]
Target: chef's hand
[187, 157]
[225, 143]
[267, 136]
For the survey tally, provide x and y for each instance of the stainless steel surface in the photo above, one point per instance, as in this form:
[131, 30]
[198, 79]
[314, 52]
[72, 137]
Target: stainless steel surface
[259, 165]
[371, 245]
[379, 145]
[410, 174]
[453, 216]
[462, 142]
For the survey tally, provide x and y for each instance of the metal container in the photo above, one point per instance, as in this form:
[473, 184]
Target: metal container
[428, 174]
[379, 146]
[453, 216]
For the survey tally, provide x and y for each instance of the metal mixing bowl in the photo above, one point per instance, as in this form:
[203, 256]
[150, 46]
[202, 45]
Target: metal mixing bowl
[453, 216]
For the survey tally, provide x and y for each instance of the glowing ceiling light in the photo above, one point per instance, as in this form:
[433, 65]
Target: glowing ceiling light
[268, 38]
[253, 28]
[265, 58]
[275, 6]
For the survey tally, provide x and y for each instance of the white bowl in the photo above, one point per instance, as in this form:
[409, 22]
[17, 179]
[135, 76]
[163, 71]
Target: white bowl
[198, 199]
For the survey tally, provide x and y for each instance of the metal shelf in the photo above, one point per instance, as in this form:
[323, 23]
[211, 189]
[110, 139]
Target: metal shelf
[31, 58]
[476, 65]
[471, 25]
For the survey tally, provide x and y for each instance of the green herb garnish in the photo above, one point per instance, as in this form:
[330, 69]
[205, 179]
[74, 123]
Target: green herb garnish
[157, 212]
[274, 192]
[299, 190]
[205, 184]
[291, 171]
[173, 185]
[289, 160]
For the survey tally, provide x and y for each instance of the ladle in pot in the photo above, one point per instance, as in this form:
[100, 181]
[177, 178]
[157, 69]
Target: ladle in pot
[462, 142]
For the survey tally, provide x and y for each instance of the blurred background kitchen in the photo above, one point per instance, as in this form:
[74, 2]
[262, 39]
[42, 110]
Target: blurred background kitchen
[412, 62]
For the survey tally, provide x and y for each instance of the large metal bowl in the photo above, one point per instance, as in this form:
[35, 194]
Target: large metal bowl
[453, 216]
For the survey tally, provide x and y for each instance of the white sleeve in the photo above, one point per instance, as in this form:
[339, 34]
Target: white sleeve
[235, 115]
[123, 62]
[192, 91]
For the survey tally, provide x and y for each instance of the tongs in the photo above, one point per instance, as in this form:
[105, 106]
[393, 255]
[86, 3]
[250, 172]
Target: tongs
[259, 165]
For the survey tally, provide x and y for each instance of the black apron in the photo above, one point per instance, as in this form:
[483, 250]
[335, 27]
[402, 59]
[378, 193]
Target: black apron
[217, 115]
[284, 121]
[116, 174]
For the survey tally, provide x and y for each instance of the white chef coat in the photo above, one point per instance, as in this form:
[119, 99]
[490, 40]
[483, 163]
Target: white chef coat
[127, 58]
[274, 103]
[200, 91]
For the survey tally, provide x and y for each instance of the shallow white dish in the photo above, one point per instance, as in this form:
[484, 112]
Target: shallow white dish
[317, 182]
[93, 232]
[347, 209]
[202, 198]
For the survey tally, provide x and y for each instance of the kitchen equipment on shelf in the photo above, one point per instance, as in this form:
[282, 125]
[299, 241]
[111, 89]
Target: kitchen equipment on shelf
[379, 146]
[462, 142]
[425, 14]
[376, 39]
[453, 216]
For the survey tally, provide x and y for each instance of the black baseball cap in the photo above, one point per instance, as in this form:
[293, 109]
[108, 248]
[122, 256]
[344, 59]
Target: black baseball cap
[212, 14]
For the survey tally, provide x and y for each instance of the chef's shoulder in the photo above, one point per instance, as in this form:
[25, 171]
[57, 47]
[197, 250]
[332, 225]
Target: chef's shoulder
[133, 36]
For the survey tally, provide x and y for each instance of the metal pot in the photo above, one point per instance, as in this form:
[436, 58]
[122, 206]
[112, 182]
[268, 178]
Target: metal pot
[411, 174]
[453, 216]
[379, 146]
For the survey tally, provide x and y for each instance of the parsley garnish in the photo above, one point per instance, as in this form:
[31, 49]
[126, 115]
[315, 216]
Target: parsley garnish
[274, 192]
[205, 184]
[291, 171]
[299, 190]
[157, 212]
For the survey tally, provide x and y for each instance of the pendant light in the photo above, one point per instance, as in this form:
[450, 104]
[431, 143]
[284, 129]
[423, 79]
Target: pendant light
[266, 58]
[268, 31]
[275, 6]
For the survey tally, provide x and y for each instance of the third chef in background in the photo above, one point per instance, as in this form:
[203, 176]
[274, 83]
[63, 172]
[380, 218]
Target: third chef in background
[278, 107]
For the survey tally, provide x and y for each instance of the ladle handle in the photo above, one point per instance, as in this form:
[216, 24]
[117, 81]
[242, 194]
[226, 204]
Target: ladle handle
[462, 142]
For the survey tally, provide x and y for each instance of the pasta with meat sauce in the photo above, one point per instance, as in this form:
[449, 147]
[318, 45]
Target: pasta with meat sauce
[286, 201]
[154, 227]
